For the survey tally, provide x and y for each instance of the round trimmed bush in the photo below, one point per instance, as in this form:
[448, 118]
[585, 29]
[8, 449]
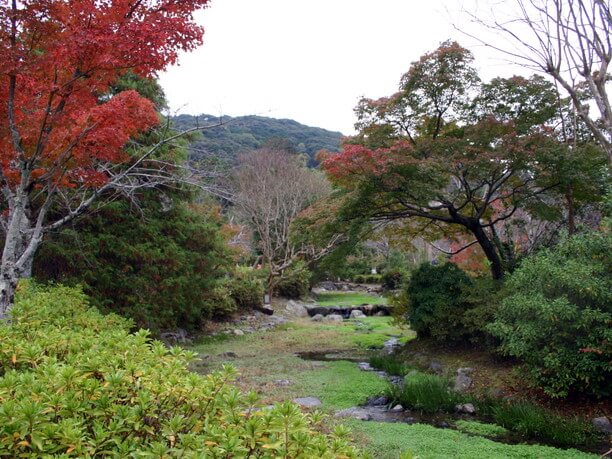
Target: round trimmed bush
[435, 301]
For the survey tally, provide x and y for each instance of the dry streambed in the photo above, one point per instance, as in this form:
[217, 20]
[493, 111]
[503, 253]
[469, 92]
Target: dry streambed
[323, 365]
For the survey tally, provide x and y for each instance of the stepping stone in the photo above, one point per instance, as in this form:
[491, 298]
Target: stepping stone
[307, 402]
[365, 366]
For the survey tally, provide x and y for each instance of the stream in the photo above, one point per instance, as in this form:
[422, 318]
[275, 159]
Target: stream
[379, 408]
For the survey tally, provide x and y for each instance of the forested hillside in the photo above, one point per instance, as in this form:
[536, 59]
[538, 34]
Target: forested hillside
[240, 134]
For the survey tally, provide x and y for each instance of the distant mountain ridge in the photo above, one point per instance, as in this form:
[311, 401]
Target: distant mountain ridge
[239, 134]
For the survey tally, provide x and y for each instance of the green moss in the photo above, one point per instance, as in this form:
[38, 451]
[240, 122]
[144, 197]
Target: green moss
[341, 384]
[389, 441]
[479, 428]
[348, 299]
[373, 332]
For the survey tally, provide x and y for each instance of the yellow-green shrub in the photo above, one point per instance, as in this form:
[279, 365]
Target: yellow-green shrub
[78, 384]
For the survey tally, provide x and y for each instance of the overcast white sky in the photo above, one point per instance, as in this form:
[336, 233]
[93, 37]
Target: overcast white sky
[312, 60]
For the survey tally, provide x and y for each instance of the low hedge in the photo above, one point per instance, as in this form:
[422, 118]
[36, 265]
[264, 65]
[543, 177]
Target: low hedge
[75, 383]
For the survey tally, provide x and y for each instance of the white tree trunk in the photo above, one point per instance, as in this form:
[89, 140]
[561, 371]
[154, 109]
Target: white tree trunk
[22, 239]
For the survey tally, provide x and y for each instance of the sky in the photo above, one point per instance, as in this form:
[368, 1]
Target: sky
[312, 60]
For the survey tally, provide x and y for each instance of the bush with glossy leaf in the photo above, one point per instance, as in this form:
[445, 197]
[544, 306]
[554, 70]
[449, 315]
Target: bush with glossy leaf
[75, 383]
[558, 317]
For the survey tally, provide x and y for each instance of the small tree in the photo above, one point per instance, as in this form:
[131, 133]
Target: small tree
[272, 187]
[62, 127]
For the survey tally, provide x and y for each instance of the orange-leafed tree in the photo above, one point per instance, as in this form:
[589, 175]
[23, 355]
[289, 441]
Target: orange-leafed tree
[63, 129]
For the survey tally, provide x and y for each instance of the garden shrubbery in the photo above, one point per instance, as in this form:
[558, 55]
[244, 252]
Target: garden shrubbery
[443, 302]
[295, 282]
[558, 316]
[163, 269]
[393, 279]
[74, 383]
[247, 288]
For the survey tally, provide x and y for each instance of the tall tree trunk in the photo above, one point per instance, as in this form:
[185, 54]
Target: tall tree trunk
[497, 268]
[571, 210]
[9, 275]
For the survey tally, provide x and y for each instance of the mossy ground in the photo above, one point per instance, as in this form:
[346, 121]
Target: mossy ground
[348, 299]
[264, 359]
[389, 441]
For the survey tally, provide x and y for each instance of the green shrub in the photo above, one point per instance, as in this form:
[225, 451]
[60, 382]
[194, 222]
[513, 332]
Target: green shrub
[372, 279]
[156, 268]
[74, 383]
[536, 423]
[426, 393]
[247, 288]
[393, 279]
[435, 302]
[558, 316]
[359, 279]
[295, 282]
[389, 364]
[219, 302]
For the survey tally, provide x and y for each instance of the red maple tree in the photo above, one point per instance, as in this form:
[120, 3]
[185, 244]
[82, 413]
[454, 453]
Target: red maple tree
[62, 129]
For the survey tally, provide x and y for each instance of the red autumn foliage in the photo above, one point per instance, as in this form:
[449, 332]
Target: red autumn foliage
[59, 59]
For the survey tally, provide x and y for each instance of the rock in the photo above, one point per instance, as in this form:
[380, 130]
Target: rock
[295, 309]
[463, 382]
[466, 408]
[357, 314]
[238, 332]
[397, 408]
[334, 318]
[355, 413]
[396, 380]
[308, 402]
[603, 424]
[380, 314]
[282, 382]
[178, 336]
[365, 366]
[436, 367]
[249, 330]
[442, 425]
[229, 355]
[318, 317]
[381, 400]
[327, 285]
[266, 309]
[391, 344]
[278, 320]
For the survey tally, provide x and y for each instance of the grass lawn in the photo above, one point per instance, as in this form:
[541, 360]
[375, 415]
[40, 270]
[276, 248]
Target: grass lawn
[348, 299]
[389, 441]
[267, 360]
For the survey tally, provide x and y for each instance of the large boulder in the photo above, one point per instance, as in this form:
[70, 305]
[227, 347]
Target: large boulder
[334, 318]
[357, 314]
[296, 309]
[603, 424]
